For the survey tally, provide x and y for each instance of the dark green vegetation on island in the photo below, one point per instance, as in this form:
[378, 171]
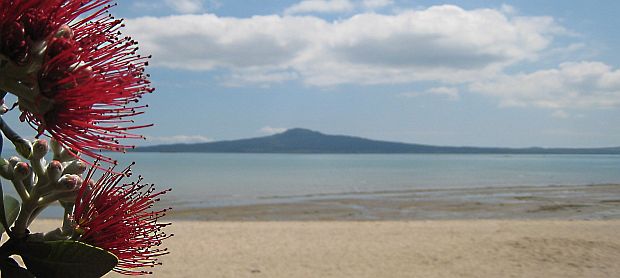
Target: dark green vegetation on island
[300, 140]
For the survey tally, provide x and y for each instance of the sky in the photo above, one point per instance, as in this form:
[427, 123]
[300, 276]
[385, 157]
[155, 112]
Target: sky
[475, 73]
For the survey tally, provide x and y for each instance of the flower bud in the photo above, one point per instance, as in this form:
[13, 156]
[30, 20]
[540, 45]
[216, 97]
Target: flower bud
[76, 167]
[69, 183]
[21, 170]
[64, 32]
[39, 149]
[67, 155]
[83, 74]
[56, 147]
[5, 170]
[13, 161]
[4, 109]
[54, 170]
[23, 147]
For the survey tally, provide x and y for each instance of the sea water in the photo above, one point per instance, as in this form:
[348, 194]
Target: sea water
[206, 180]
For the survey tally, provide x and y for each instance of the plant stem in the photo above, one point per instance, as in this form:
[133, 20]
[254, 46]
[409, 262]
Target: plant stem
[66, 221]
[9, 132]
[21, 224]
[21, 189]
[2, 213]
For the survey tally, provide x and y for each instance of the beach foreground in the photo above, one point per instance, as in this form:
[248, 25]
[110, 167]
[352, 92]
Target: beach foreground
[445, 248]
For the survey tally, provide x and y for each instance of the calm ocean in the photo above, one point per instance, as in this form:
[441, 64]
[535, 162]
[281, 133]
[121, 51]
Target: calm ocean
[204, 180]
[207, 180]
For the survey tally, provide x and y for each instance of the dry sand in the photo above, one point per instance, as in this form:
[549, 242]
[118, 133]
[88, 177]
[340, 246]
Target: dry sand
[445, 248]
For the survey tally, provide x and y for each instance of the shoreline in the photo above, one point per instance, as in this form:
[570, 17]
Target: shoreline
[569, 202]
[553, 202]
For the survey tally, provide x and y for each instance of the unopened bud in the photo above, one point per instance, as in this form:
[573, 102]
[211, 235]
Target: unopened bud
[64, 32]
[13, 161]
[39, 149]
[54, 170]
[4, 109]
[76, 167]
[56, 147]
[71, 153]
[67, 155]
[84, 74]
[23, 147]
[69, 183]
[21, 170]
[5, 171]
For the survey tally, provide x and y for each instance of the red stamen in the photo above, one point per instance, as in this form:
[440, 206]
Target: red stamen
[117, 217]
[90, 72]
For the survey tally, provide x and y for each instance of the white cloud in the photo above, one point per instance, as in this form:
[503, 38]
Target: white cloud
[272, 130]
[257, 77]
[571, 85]
[178, 139]
[447, 45]
[568, 51]
[320, 6]
[440, 43]
[450, 92]
[186, 6]
[376, 4]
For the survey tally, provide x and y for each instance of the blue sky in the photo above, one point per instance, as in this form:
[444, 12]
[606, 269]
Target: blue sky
[483, 73]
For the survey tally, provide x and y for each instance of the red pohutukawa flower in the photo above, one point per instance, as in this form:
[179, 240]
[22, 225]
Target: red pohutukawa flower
[74, 74]
[119, 218]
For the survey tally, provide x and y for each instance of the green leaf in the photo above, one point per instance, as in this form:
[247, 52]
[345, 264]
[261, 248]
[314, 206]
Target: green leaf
[10, 269]
[66, 258]
[11, 210]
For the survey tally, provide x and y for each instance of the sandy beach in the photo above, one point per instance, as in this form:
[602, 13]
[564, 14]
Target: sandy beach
[556, 231]
[456, 248]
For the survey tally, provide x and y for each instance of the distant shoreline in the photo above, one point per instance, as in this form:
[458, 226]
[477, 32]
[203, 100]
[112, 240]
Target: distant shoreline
[370, 153]
[304, 141]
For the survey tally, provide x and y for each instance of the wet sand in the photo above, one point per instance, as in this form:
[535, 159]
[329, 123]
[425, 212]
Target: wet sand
[584, 202]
